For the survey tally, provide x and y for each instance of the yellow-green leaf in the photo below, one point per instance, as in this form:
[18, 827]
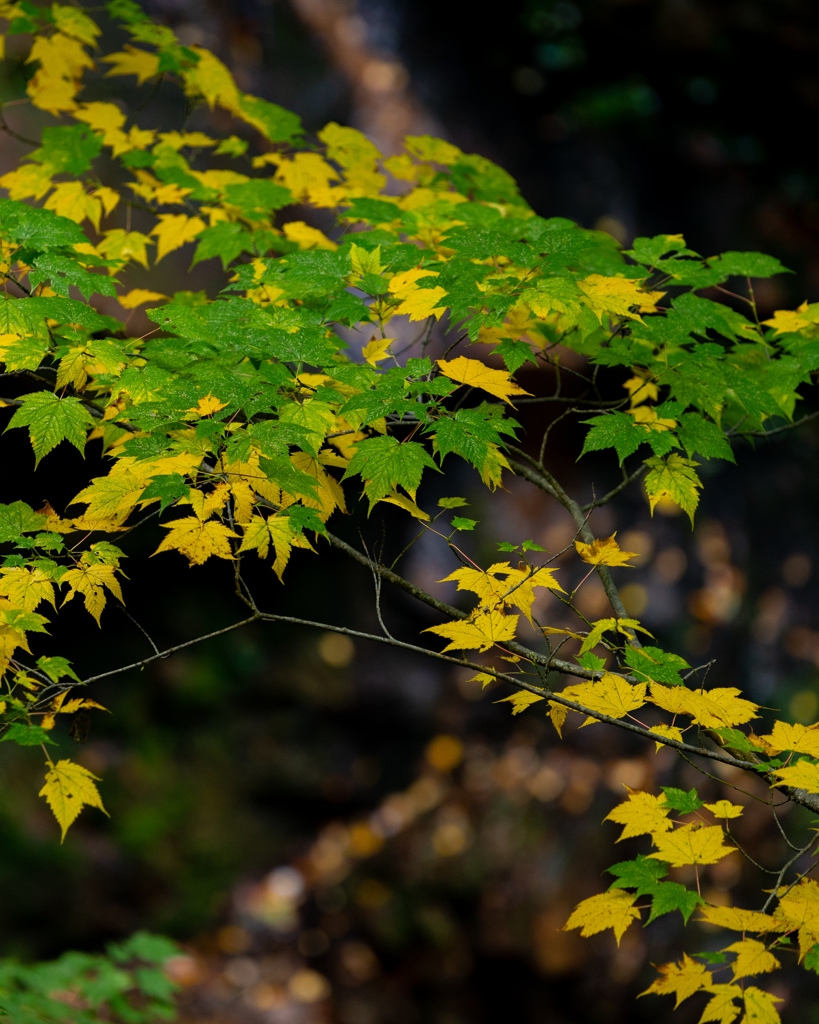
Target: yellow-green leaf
[68, 788]
[476, 375]
[613, 909]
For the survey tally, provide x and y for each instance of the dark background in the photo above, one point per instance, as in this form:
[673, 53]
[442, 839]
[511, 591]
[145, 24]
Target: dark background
[255, 783]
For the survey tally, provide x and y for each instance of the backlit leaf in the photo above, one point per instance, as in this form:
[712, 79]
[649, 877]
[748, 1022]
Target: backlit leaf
[613, 909]
[68, 788]
[475, 374]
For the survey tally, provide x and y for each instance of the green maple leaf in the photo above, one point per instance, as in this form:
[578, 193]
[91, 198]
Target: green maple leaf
[42, 229]
[51, 419]
[227, 240]
[615, 430]
[680, 800]
[383, 464]
[669, 896]
[641, 874]
[700, 436]
[18, 518]
[653, 663]
[68, 149]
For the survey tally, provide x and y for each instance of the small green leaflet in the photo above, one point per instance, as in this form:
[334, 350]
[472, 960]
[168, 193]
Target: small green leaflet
[56, 667]
[615, 430]
[452, 502]
[68, 149]
[464, 524]
[167, 488]
[701, 436]
[51, 419]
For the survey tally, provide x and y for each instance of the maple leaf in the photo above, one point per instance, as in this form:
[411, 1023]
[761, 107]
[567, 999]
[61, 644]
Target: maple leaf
[725, 809]
[641, 814]
[752, 957]
[670, 731]
[377, 349]
[175, 230]
[602, 626]
[759, 1007]
[475, 374]
[196, 540]
[613, 909]
[521, 700]
[481, 631]
[799, 909]
[259, 533]
[798, 738]
[68, 788]
[91, 580]
[610, 695]
[691, 844]
[739, 920]
[138, 297]
[682, 979]
[713, 709]
[616, 296]
[721, 1007]
[26, 587]
[802, 775]
[51, 419]
[673, 479]
[206, 406]
[132, 61]
[604, 551]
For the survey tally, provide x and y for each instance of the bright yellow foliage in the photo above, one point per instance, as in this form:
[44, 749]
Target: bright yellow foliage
[641, 814]
[475, 374]
[68, 788]
[613, 909]
[692, 844]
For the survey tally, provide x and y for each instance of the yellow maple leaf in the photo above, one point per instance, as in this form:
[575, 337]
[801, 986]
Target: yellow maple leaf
[28, 180]
[604, 551]
[26, 587]
[641, 390]
[354, 152]
[558, 713]
[799, 909]
[616, 296]
[475, 374]
[260, 531]
[175, 230]
[139, 297]
[68, 788]
[802, 775]
[406, 503]
[132, 61]
[713, 709]
[118, 244]
[785, 321]
[91, 580]
[721, 1008]
[211, 79]
[641, 814]
[752, 957]
[613, 909]
[691, 844]
[670, 731]
[70, 199]
[521, 700]
[738, 920]
[377, 349]
[307, 237]
[800, 739]
[196, 540]
[206, 406]
[725, 809]
[75, 23]
[647, 417]
[611, 695]
[682, 979]
[759, 1008]
[309, 178]
[481, 631]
